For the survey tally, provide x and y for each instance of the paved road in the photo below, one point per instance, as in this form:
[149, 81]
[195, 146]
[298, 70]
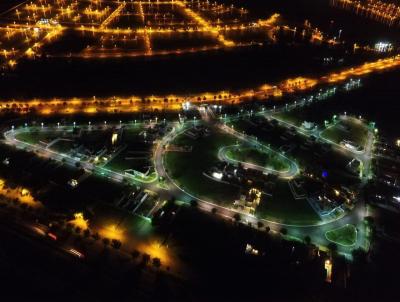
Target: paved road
[290, 173]
[316, 232]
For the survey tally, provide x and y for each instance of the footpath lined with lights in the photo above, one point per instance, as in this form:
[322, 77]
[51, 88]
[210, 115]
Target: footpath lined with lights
[175, 102]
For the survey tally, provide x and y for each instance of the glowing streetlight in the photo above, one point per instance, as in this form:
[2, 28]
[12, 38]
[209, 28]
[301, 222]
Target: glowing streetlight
[328, 268]
[80, 221]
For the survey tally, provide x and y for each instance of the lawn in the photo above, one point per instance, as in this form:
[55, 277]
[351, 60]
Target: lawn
[136, 155]
[283, 208]
[291, 117]
[312, 157]
[126, 225]
[345, 235]
[62, 146]
[350, 129]
[187, 168]
[127, 160]
[35, 136]
[257, 157]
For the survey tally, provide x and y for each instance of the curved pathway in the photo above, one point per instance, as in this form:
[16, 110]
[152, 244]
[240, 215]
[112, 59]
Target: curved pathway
[316, 232]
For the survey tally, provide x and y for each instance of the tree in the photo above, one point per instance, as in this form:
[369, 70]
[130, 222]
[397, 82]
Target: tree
[332, 247]
[307, 240]
[116, 244]
[106, 241]
[156, 262]
[359, 256]
[369, 220]
[96, 236]
[86, 233]
[135, 254]
[145, 258]
[78, 164]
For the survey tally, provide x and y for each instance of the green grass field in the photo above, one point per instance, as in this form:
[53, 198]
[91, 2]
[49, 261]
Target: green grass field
[282, 207]
[62, 146]
[35, 136]
[126, 160]
[135, 156]
[345, 235]
[130, 225]
[257, 157]
[291, 117]
[187, 168]
[357, 132]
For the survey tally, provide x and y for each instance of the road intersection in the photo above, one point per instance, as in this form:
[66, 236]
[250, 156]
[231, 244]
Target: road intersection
[315, 231]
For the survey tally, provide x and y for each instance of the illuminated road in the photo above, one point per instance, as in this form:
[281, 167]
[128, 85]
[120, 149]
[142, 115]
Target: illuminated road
[102, 20]
[316, 232]
[175, 101]
[290, 173]
[364, 155]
